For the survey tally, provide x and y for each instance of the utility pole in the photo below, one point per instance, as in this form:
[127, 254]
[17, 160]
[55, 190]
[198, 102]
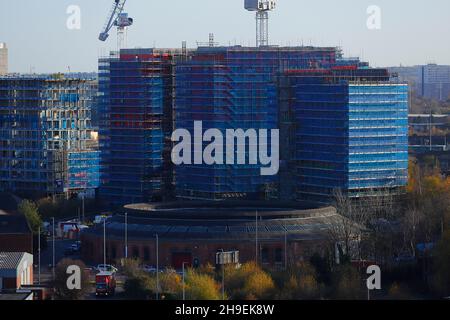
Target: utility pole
[126, 235]
[223, 282]
[431, 134]
[157, 267]
[104, 242]
[53, 251]
[82, 207]
[184, 286]
[256, 251]
[285, 248]
[39, 255]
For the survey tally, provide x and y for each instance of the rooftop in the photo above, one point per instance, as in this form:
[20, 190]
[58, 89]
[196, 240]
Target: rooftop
[17, 224]
[11, 260]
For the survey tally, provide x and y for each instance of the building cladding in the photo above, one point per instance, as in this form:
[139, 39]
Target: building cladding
[351, 131]
[234, 88]
[342, 124]
[46, 141]
[135, 104]
[3, 59]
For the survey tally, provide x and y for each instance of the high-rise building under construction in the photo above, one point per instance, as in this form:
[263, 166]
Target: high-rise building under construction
[47, 144]
[343, 125]
[135, 100]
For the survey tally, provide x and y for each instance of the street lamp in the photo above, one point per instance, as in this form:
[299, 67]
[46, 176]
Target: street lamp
[39, 256]
[104, 242]
[53, 251]
[157, 267]
[126, 235]
[184, 285]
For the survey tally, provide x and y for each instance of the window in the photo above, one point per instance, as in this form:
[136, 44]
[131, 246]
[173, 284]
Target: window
[278, 255]
[146, 254]
[135, 252]
[265, 255]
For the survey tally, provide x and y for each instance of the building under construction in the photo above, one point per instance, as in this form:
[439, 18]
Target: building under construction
[343, 125]
[135, 106]
[234, 88]
[47, 144]
[349, 130]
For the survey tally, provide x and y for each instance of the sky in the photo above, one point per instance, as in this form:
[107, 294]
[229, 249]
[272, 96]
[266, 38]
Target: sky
[411, 31]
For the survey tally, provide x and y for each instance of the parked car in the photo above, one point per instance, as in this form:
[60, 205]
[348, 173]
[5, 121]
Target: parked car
[106, 268]
[148, 269]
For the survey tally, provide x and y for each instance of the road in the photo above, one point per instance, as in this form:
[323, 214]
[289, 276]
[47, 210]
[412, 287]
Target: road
[46, 275]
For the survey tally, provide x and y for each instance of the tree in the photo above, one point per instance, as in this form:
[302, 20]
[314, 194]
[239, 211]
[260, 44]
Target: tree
[259, 286]
[171, 285]
[347, 228]
[347, 284]
[399, 292]
[139, 287]
[441, 278]
[201, 287]
[248, 282]
[62, 291]
[131, 267]
[31, 213]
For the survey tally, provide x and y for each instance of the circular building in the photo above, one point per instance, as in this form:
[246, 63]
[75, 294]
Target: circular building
[194, 232]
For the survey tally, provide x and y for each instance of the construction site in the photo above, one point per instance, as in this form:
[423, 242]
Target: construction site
[47, 143]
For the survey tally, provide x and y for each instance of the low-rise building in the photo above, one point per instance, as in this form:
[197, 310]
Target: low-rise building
[16, 270]
[15, 234]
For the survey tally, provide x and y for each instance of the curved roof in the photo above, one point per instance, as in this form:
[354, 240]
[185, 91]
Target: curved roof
[216, 222]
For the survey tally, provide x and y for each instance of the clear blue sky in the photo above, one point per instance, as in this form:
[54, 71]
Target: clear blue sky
[412, 31]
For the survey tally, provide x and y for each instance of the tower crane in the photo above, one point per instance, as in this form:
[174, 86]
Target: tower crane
[117, 18]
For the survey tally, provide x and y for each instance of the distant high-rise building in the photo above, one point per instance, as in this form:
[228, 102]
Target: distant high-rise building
[3, 59]
[435, 82]
[430, 81]
[47, 144]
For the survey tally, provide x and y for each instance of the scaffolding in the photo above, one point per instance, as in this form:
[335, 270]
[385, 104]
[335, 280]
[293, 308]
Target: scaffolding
[136, 105]
[351, 131]
[234, 88]
[44, 121]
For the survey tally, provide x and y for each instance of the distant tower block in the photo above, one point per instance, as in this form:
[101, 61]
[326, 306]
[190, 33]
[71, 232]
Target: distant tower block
[3, 59]
[262, 8]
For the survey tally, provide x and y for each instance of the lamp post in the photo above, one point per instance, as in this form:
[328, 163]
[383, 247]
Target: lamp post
[126, 235]
[53, 249]
[184, 284]
[39, 255]
[104, 242]
[157, 267]
[256, 249]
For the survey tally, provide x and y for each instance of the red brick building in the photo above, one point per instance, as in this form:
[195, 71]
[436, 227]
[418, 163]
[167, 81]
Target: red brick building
[15, 234]
[193, 233]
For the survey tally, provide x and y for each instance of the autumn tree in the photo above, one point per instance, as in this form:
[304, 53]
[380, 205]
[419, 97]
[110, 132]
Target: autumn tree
[201, 286]
[31, 213]
[347, 283]
[300, 283]
[248, 282]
